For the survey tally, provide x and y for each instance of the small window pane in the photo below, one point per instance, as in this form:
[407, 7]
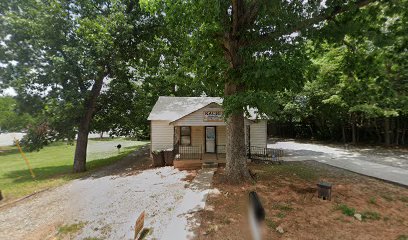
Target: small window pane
[185, 131]
[185, 140]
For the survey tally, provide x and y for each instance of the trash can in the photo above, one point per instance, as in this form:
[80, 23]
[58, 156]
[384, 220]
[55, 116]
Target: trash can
[168, 157]
[158, 159]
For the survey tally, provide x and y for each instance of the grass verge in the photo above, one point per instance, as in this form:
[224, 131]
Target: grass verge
[52, 165]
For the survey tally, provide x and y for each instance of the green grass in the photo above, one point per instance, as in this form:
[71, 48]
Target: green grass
[370, 215]
[271, 224]
[299, 170]
[52, 165]
[372, 200]
[72, 228]
[281, 215]
[404, 199]
[346, 210]
[282, 206]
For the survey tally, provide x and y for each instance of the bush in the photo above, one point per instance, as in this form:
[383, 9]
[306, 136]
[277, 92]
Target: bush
[36, 138]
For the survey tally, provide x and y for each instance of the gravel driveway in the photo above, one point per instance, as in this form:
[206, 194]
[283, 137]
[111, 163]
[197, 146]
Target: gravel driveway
[107, 204]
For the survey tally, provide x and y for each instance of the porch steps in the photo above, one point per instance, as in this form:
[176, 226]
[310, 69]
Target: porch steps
[210, 165]
[187, 164]
[194, 164]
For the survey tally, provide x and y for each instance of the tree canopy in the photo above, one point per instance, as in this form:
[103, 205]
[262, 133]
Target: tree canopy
[357, 84]
[252, 49]
[87, 65]
[11, 118]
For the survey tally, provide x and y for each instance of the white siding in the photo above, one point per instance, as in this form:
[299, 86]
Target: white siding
[162, 135]
[258, 134]
[196, 118]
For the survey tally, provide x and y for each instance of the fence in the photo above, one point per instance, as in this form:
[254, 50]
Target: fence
[264, 154]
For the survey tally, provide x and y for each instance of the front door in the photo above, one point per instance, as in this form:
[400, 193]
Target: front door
[210, 139]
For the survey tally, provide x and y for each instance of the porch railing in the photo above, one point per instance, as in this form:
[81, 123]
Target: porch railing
[188, 152]
[183, 152]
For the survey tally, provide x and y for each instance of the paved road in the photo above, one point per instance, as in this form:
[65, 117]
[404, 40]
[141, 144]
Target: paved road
[387, 164]
[108, 202]
[7, 139]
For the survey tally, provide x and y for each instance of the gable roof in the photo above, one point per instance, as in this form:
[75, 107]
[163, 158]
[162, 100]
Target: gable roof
[173, 108]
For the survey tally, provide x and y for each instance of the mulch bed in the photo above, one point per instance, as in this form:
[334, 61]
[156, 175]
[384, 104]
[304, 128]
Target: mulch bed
[288, 193]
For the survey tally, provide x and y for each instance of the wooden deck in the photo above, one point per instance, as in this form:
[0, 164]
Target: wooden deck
[189, 164]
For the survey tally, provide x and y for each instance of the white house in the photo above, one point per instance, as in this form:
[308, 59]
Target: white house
[195, 128]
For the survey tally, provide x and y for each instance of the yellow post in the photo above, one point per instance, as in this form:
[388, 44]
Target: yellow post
[25, 158]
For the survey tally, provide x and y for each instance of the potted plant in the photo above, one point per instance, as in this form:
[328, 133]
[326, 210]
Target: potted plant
[158, 158]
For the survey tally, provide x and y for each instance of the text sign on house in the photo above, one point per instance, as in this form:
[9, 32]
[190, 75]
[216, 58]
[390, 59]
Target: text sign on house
[213, 116]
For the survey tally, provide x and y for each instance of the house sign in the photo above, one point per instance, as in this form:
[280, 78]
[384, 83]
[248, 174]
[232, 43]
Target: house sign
[213, 116]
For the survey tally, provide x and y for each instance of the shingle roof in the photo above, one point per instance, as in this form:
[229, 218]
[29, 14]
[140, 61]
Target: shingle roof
[173, 108]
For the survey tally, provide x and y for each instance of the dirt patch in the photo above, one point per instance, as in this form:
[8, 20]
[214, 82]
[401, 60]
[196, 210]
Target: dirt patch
[288, 193]
[191, 175]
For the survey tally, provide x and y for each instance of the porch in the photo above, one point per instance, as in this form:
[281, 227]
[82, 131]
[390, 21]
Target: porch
[193, 157]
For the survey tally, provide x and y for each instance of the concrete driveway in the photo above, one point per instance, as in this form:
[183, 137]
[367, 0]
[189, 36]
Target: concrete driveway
[387, 164]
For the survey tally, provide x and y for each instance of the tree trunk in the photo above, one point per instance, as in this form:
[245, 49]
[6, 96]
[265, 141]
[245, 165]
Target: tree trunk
[397, 133]
[378, 132]
[353, 133]
[85, 122]
[236, 167]
[387, 131]
[343, 132]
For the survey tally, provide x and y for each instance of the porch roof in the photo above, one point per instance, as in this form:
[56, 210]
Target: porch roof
[174, 108]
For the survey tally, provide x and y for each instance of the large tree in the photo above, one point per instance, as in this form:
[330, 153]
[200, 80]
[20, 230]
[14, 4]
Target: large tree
[10, 117]
[251, 48]
[59, 54]
[356, 90]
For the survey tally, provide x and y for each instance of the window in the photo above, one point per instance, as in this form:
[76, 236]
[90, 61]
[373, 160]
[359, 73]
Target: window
[185, 135]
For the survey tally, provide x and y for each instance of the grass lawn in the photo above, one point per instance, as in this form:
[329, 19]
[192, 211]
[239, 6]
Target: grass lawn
[288, 193]
[52, 165]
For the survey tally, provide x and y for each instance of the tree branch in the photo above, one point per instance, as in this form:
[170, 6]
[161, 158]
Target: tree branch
[326, 16]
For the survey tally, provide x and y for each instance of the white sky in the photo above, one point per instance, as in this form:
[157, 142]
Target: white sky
[9, 92]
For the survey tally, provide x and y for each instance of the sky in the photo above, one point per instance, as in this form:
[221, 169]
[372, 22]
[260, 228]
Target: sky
[8, 92]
